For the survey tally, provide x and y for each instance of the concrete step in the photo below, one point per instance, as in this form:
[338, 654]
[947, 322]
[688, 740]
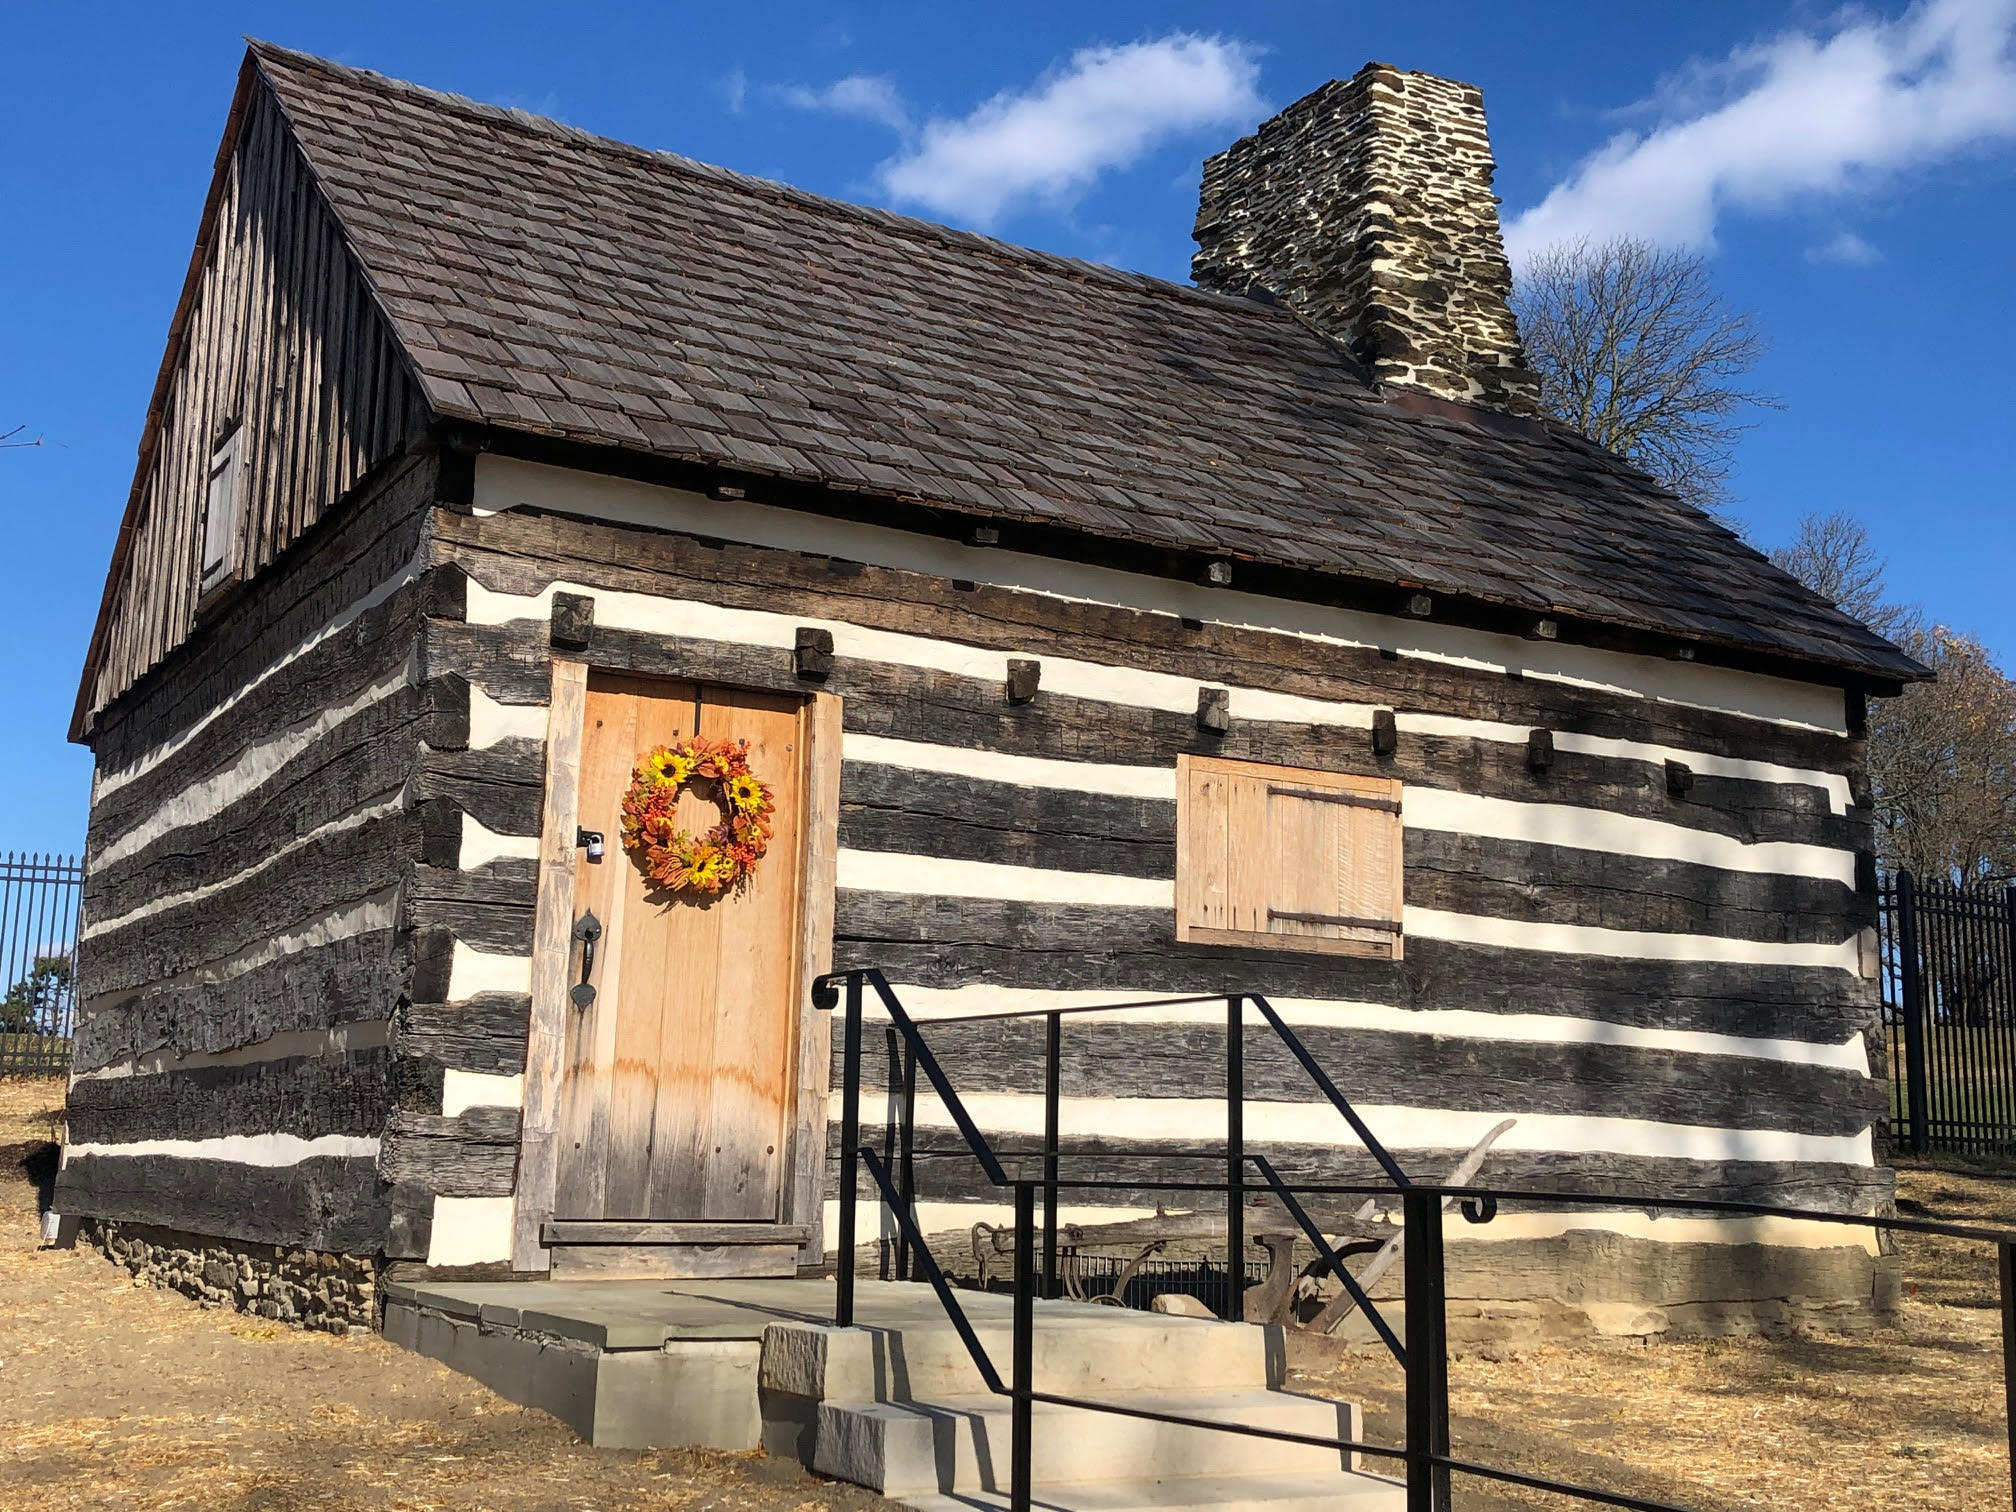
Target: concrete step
[1079, 1350]
[1230, 1493]
[958, 1444]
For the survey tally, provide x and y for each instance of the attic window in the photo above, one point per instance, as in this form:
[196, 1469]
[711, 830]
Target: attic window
[1287, 859]
[222, 507]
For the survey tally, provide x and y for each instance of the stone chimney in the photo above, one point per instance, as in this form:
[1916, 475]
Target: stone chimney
[1366, 207]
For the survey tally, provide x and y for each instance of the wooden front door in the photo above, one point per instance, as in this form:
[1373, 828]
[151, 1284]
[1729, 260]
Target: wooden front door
[679, 1089]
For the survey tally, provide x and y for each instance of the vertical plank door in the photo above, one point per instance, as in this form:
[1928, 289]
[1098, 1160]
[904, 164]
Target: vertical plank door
[680, 1074]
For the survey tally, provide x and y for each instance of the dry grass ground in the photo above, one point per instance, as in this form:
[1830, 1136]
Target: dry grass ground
[1908, 1420]
[113, 1396]
[117, 1396]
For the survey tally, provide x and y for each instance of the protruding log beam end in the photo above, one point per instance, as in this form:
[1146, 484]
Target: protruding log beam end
[1214, 710]
[1024, 676]
[1385, 733]
[1539, 752]
[573, 623]
[1679, 779]
[812, 655]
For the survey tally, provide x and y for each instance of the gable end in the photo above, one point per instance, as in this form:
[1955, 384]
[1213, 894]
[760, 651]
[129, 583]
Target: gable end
[278, 338]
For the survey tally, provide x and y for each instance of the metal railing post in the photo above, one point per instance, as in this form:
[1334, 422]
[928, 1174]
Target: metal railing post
[1427, 1354]
[1053, 1055]
[1911, 988]
[850, 1154]
[1022, 1404]
[906, 1155]
[1235, 1159]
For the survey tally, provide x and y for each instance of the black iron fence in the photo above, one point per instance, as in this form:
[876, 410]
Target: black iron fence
[1949, 1015]
[38, 944]
[1036, 1179]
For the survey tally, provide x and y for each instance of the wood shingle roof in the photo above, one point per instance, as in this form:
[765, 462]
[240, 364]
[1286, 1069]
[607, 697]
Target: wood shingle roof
[547, 281]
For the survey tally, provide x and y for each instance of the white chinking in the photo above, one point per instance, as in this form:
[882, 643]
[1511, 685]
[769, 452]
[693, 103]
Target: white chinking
[470, 1230]
[1178, 1119]
[875, 1219]
[463, 1090]
[481, 846]
[240, 1149]
[471, 971]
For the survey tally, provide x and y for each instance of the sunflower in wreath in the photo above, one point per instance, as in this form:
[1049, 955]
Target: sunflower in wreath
[676, 859]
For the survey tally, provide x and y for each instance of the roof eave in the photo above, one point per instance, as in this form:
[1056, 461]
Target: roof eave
[927, 515]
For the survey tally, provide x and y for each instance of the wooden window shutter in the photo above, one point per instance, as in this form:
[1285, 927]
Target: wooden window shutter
[222, 505]
[1293, 859]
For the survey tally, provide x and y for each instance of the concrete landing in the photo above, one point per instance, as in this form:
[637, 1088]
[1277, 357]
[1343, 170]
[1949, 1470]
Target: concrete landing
[653, 1364]
[895, 1402]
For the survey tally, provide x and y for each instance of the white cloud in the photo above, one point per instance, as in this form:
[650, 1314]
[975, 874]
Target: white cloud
[734, 90]
[1803, 114]
[1846, 248]
[869, 97]
[1103, 110]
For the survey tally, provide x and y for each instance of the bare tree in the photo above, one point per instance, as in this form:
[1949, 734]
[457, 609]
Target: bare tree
[1942, 755]
[8, 439]
[1635, 348]
[1833, 555]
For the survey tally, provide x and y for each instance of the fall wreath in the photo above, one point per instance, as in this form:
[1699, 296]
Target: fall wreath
[678, 860]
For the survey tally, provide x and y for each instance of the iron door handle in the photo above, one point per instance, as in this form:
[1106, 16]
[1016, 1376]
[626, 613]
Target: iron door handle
[587, 929]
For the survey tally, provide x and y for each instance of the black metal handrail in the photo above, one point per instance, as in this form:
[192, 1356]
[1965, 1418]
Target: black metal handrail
[1426, 1454]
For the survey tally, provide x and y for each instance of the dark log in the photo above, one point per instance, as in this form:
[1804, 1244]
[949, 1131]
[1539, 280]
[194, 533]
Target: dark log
[472, 1155]
[484, 1033]
[446, 712]
[444, 592]
[489, 909]
[329, 1202]
[304, 1095]
[501, 787]
[954, 942]
[351, 980]
[368, 757]
[344, 867]
[330, 675]
[1117, 1058]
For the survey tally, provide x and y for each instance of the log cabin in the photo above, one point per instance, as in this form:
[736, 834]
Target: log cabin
[1058, 607]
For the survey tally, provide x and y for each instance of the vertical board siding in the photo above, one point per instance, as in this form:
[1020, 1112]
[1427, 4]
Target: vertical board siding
[281, 334]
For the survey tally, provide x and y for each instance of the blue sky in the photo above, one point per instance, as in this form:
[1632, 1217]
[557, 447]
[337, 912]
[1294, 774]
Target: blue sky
[1850, 173]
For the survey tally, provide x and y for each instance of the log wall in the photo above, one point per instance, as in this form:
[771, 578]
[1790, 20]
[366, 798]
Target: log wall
[242, 963]
[1663, 983]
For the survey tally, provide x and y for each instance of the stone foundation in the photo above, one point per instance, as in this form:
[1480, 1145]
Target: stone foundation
[299, 1287]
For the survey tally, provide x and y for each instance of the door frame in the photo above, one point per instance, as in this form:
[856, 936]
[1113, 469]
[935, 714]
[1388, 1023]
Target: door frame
[553, 954]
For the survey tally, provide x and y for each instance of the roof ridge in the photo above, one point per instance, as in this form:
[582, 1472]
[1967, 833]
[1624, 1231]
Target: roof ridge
[890, 220]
